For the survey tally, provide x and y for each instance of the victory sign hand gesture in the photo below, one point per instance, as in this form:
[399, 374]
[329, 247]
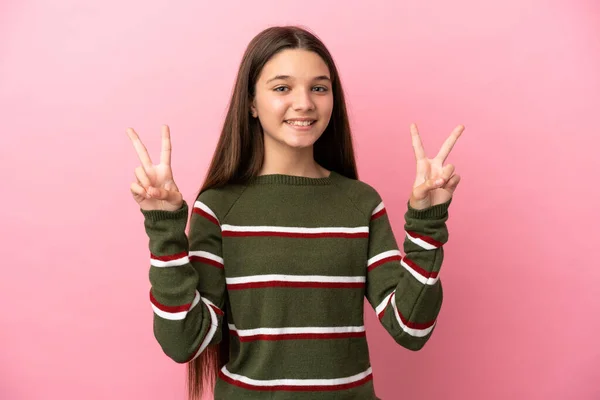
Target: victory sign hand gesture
[435, 183]
[155, 188]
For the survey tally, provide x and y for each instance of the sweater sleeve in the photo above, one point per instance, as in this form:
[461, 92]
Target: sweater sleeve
[405, 291]
[187, 279]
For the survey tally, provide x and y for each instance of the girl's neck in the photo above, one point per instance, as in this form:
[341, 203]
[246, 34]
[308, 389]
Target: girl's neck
[294, 163]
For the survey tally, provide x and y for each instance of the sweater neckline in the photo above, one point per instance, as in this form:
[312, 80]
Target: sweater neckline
[283, 179]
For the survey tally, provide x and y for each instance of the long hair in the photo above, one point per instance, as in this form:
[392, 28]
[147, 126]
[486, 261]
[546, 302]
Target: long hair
[239, 153]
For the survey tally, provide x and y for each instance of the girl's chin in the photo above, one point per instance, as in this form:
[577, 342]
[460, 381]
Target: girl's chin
[299, 144]
[301, 139]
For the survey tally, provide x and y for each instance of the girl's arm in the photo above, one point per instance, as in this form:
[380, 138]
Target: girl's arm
[187, 279]
[405, 290]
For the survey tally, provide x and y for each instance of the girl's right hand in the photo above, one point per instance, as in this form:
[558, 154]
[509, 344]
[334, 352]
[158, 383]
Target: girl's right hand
[155, 188]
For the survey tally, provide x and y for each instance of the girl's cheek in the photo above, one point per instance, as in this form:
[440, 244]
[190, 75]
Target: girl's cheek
[278, 104]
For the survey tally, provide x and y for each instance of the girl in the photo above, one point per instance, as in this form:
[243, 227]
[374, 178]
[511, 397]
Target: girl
[264, 297]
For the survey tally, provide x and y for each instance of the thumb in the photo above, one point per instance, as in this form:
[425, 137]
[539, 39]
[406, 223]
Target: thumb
[421, 191]
[170, 196]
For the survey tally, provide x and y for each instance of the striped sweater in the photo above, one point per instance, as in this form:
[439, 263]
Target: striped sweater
[287, 261]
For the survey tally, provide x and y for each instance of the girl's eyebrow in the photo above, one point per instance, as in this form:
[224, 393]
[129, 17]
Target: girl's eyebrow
[284, 77]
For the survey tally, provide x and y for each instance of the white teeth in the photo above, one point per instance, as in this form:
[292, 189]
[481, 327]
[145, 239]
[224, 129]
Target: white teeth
[300, 123]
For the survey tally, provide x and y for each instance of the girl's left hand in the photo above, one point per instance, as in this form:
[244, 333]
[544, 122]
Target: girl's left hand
[435, 183]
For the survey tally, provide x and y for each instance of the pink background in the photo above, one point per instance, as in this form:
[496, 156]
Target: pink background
[521, 314]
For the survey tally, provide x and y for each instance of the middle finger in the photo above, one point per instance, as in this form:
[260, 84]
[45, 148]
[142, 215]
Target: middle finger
[142, 177]
[449, 143]
[447, 172]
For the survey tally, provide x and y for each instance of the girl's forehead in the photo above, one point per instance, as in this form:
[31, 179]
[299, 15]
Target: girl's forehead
[294, 64]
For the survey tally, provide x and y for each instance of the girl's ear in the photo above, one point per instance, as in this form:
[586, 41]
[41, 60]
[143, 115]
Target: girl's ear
[253, 110]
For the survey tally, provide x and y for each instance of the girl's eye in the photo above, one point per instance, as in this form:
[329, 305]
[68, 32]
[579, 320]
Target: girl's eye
[321, 88]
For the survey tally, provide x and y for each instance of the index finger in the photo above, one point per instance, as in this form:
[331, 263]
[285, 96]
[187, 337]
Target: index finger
[416, 142]
[140, 149]
[165, 152]
[449, 143]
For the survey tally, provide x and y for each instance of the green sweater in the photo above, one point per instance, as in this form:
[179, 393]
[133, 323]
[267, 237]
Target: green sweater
[286, 262]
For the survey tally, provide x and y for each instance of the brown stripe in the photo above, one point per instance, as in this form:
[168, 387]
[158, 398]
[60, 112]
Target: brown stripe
[203, 213]
[298, 235]
[426, 239]
[378, 214]
[376, 264]
[170, 309]
[169, 257]
[206, 261]
[295, 388]
[420, 270]
[255, 285]
[294, 336]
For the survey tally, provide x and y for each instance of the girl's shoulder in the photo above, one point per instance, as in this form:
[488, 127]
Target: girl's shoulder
[219, 200]
[363, 194]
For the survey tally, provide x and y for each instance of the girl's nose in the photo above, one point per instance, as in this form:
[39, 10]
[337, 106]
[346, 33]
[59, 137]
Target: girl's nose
[303, 101]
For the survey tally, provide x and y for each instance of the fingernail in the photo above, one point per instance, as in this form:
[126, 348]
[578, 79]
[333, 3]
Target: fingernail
[439, 181]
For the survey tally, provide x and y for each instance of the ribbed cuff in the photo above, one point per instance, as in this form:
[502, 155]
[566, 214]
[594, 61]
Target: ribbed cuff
[159, 215]
[433, 212]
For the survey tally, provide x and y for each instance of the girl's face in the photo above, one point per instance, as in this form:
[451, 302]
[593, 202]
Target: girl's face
[294, 85]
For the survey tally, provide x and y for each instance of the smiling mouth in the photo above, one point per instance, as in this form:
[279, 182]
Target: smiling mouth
[300, 123]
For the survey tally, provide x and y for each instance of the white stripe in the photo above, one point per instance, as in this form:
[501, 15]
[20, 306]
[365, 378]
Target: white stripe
[378, 208]
[206, 209]
[178, 315]
[214, 323]
[418, 276]
[173, 263]
[410, 331]
[210, 303]
[297, 382]
[383, 304]
[383, 255]
[289, 331]
[206, 254]
[420, 242]
[294, 278]
[293, 229]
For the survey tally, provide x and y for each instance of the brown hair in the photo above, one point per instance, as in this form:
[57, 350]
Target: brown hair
[239, 153]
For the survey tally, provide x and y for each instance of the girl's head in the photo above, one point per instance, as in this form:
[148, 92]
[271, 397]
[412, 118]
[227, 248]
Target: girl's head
[292, 99]
[286, 73]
